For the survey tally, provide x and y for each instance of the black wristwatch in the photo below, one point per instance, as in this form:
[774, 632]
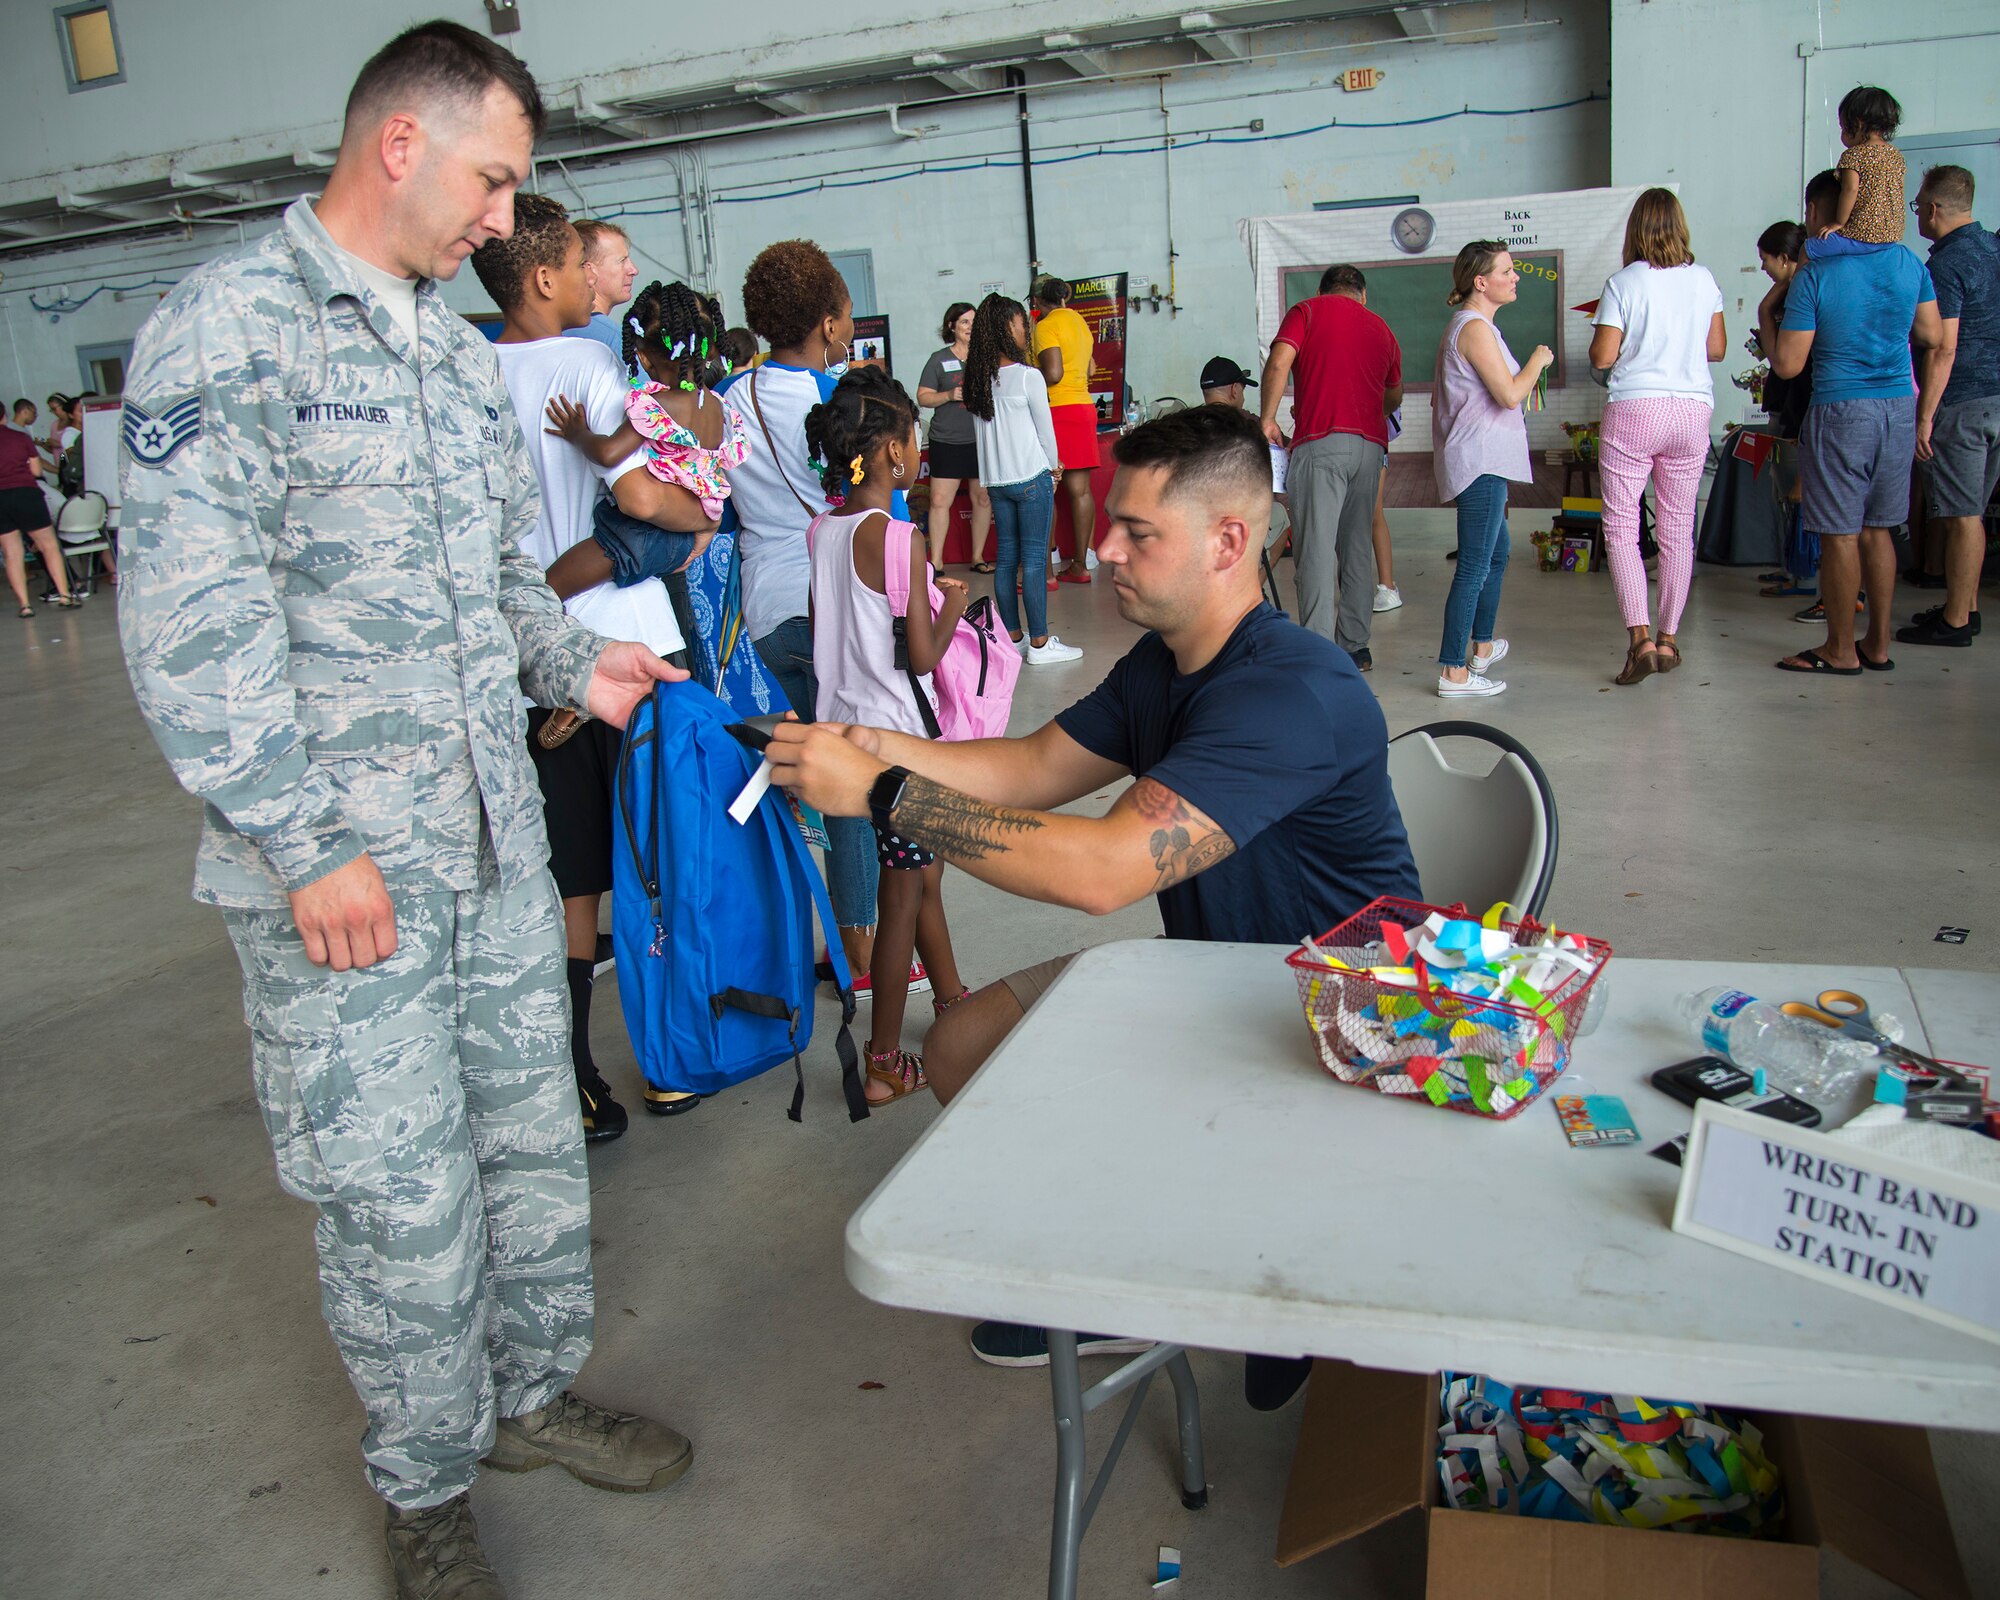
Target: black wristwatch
[886, 794]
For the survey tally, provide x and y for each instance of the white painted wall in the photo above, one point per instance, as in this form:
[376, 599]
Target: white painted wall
[1715, 95]
[939, 237]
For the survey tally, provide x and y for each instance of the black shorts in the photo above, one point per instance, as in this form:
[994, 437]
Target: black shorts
[577, 778]
[23, 511]
[899, 855]
[954, 460]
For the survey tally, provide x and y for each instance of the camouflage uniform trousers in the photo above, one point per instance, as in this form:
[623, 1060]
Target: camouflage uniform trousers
[427, 1106]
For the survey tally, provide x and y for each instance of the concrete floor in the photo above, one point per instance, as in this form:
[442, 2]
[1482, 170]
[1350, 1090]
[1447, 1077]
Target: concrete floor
[181, 1424]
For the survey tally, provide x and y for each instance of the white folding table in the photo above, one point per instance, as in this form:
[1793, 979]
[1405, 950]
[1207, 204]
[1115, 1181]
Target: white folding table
[1156, 1152]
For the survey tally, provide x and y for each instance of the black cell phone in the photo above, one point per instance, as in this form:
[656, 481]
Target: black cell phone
[1712, 1078]
[750, 735]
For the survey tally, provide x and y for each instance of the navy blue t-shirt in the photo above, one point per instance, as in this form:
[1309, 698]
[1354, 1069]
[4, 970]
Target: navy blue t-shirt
[1280, 742]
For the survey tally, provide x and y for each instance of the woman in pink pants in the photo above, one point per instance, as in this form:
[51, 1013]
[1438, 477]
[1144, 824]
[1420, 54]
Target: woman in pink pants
[1659, 324]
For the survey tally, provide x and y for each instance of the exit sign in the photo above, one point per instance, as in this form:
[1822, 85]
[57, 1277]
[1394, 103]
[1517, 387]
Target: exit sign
[1360, 78]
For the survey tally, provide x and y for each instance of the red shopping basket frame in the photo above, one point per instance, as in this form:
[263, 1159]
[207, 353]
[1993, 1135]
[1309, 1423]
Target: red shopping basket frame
[1328, 992]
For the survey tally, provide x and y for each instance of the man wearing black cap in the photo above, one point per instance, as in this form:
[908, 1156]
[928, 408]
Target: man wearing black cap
[1223, 383]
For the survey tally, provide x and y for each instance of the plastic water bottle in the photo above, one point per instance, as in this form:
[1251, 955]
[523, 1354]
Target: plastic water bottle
[1802, 1058]
[1133, 414]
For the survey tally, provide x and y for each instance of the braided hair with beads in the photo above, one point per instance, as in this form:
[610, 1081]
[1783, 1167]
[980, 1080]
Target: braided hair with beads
[680, 328]
[867, 409]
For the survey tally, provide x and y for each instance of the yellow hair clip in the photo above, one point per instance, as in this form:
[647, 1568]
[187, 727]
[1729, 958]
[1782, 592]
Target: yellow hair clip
[859, 471]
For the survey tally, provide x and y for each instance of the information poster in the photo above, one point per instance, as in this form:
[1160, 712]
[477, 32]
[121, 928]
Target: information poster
[870, 345]
[1101, 303]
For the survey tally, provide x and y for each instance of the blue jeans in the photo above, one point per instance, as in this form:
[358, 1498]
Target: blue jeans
[1473, 606]
[1023, 513]
[787, 654]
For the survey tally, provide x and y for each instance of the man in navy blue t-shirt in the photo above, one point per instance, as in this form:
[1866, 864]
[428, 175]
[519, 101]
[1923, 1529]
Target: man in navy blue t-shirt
[1261, 812]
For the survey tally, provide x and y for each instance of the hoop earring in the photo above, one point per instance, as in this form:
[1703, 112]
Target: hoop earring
[897, 470]
[846, 351]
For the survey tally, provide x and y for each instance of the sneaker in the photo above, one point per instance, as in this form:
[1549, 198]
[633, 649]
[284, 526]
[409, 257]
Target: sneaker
[1936, 613]
[1474, 688]
[1090, 560]
[1364, 659]
[603, 1117]
[920, 981]
[1931, 628]
[1496, 653]
[667, 1102]
[606, 956]
[1388, 597]
[593, 1444]
[1053, 653]
[435, 1555]
[1008, 1344]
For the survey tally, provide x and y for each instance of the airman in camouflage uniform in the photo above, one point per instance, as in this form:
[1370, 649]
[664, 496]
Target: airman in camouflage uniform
[328, 621]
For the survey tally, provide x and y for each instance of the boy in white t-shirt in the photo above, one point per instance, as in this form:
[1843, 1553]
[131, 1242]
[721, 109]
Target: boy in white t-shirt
[537, 279]
[1659, 325]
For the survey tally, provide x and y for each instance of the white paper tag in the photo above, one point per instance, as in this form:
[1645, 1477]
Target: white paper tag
[753, 792]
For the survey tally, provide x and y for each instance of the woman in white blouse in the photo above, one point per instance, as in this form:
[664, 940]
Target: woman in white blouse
[1659, 325]
[1009, 402]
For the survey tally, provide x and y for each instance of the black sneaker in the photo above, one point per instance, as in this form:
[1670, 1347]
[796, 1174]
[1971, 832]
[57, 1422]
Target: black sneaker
[667, 1103]
[1008, 1344]
[1364, 659]
[1931, 628]
[603, 1117]
[1936, 614]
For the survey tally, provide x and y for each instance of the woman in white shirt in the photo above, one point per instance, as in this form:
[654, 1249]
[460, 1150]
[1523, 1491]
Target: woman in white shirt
[1659, 325]
[1016, 439]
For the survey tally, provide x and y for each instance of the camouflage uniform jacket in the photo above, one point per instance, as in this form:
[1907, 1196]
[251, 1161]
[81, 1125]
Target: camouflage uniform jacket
[327, 615]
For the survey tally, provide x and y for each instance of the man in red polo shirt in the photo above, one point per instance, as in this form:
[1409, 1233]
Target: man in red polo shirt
[1347, 375]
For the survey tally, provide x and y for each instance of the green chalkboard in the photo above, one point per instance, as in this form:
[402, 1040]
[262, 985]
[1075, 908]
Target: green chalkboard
[1410, 297]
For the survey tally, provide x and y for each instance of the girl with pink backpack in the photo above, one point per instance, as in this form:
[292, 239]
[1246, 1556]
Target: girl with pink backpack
[875, 654]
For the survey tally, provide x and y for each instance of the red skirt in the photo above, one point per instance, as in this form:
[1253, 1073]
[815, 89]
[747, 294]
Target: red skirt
[1076, 436]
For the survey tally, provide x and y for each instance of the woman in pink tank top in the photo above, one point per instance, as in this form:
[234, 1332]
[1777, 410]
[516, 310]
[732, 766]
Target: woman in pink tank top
[1480, 441]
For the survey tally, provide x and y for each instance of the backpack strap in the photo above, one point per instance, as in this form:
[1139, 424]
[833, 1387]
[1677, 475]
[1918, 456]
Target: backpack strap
[896, 585]
[843, 1044]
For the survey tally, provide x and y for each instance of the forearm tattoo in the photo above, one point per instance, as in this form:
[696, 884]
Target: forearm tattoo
[955, 825]
[1183, 841]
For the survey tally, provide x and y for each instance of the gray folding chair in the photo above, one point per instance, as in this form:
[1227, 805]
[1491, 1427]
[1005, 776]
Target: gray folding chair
[1479, 835]
[80, 533]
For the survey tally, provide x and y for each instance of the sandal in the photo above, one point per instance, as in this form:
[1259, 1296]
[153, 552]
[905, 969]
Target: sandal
[940, 1007]
[67, 602]
[1671, 658]
[25, 611]
[1641, 660]
[1884, 665]
[1817, 663]
[903, 1074]
[983, 567]
[1784, 591]
[556, 732]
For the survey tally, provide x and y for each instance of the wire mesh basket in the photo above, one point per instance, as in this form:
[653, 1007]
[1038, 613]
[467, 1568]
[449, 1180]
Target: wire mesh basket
[1409, 1034]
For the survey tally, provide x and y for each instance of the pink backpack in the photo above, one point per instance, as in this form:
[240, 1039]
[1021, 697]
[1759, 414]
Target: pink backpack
[975, 677]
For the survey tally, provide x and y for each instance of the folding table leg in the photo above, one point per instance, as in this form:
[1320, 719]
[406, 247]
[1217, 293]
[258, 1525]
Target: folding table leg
[1187, 1403]
[1066, 1542]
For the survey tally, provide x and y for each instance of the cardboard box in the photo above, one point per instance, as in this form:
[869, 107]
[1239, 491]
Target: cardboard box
[1367, 1453]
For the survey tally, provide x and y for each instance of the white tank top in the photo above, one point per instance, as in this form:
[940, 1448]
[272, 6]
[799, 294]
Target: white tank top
[854, 643]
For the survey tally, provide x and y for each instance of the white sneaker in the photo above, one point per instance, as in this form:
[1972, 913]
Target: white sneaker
[1497, 652]
[1474, 687]
[1387, 597]
[1052, 653]
[1090, 560]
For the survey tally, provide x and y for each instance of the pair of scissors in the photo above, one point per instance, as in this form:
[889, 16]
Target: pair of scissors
[1849, 1013]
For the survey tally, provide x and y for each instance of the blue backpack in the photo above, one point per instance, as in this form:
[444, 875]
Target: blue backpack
[713, 919]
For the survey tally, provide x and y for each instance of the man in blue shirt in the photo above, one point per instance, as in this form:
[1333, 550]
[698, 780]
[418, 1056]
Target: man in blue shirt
[1855, 316]
[1958, 408]
[607, 257]
[1262, 810]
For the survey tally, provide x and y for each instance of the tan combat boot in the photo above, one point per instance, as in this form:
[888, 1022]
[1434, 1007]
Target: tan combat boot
[435, 1554]
[605, 1449]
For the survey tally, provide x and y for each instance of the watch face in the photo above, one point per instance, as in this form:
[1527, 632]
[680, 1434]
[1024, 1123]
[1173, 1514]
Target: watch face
[1413, 230]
